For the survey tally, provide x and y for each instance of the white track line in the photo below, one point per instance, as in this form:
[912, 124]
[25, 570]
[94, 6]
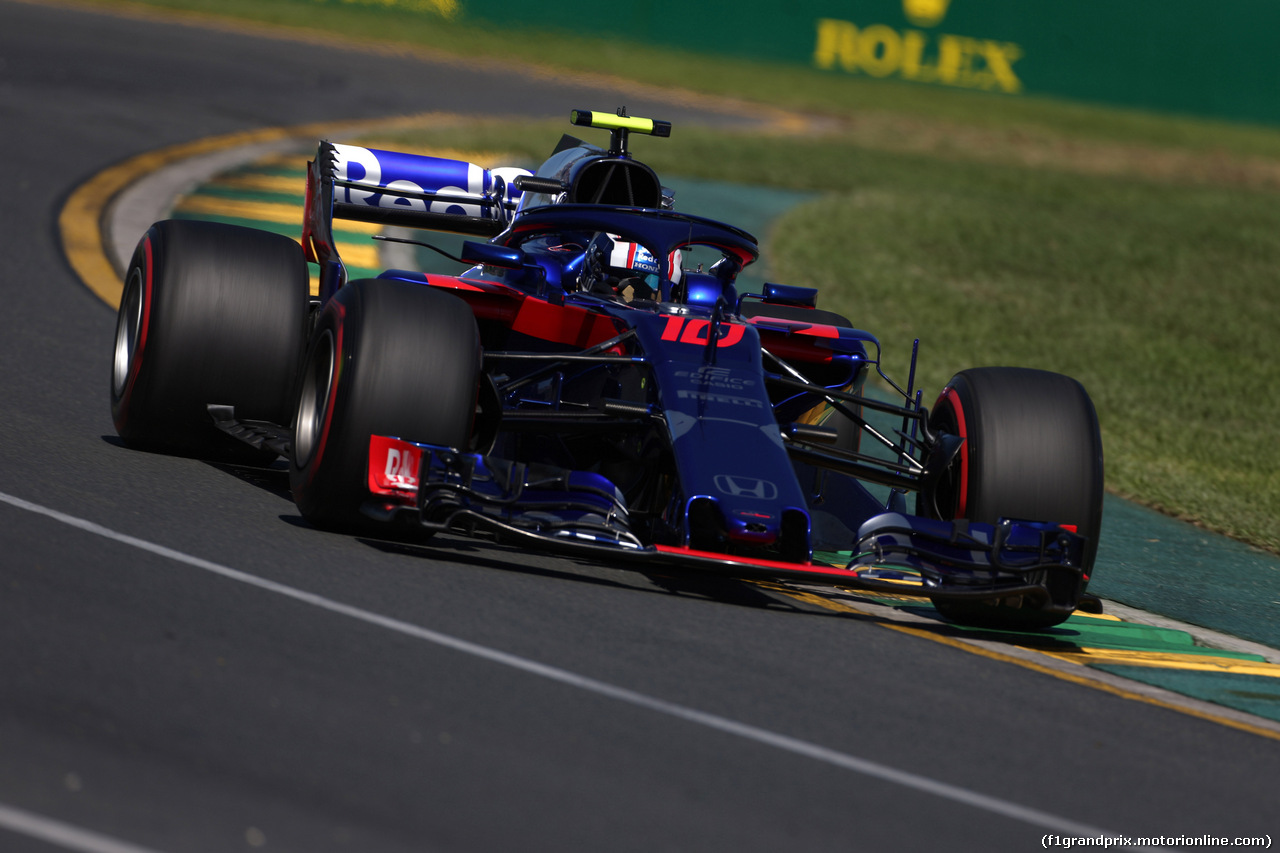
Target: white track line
[63, 834]
[914, 781]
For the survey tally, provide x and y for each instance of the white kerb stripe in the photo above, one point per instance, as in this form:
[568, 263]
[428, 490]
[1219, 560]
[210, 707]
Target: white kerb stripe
[914, 781]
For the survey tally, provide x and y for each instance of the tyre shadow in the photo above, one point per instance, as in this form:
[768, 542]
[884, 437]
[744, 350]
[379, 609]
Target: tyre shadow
[495, 556]
[274, 479]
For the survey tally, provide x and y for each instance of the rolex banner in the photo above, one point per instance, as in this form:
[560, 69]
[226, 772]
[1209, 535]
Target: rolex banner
[1212, 59]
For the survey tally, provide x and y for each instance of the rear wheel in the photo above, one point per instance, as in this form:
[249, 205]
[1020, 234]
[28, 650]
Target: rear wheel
[1032, 451]
[211, 313]
[386, 358]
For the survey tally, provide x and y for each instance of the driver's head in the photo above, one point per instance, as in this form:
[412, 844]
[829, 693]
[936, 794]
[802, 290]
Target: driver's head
[618, 267]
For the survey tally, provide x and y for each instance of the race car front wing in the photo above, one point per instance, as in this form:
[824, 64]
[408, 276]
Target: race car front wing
[580, 513]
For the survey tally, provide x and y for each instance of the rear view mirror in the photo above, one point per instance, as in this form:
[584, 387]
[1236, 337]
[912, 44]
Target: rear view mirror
[492, 255]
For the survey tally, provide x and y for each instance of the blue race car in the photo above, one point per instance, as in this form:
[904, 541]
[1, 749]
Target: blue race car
[594, 383]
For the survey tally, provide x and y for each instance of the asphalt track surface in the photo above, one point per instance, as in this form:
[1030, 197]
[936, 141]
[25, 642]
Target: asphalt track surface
[186, 666]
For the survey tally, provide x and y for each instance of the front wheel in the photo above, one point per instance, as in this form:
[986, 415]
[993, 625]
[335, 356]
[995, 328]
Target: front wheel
[387, 358]
[1032, 451]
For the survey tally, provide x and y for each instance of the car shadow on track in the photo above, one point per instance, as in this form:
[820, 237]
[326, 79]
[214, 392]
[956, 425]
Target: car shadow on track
[492, 555]
[485, 554]
[274, 479]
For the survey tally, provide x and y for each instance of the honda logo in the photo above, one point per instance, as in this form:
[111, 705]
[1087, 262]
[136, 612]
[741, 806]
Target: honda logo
[746, 487]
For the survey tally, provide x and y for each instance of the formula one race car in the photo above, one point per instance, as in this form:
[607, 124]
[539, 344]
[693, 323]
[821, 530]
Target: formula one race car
[594, 384]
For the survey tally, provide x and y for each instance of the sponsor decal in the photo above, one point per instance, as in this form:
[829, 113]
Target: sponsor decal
[706, 397]
[745, 487]
[393, 465]
[708, 376]
[632, 256]
[696, 332]
[907, 53]
[377, 171]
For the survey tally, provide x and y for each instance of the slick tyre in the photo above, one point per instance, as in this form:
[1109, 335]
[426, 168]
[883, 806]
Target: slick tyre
[211, 313]
[1032, 450]
[386, 358]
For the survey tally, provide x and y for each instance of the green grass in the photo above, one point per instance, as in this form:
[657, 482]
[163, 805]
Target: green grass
[1161, 300]
[1136, 252]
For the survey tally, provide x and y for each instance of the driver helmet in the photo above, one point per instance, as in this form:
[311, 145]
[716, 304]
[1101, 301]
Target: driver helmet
[630, 270]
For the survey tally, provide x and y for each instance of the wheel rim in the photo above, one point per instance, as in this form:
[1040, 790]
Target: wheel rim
[128, 329]
[313, 402]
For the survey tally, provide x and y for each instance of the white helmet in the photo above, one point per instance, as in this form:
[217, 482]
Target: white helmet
[629, 269]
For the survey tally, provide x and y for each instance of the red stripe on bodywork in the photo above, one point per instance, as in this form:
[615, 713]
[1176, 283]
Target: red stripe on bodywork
[448, 282]
[799, 341]
[672, 330]
[796, 327]
[562, 324]
[734, 559]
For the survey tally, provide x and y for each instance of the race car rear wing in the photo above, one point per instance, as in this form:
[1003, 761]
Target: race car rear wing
[395, 188]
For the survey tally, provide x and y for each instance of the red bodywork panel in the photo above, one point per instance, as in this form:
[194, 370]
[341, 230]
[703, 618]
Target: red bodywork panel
[578, 327]
[393, 467]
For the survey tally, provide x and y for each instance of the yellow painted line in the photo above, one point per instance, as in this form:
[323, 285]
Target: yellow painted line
[886, 596]
[811, 598]
[284, 161]
[365, 257]
[902, 582]
[294, 185]
[263, 211]
[80, 220]
[1083, 681]
[1163, 660]
[1106, 617]
[352, 254]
